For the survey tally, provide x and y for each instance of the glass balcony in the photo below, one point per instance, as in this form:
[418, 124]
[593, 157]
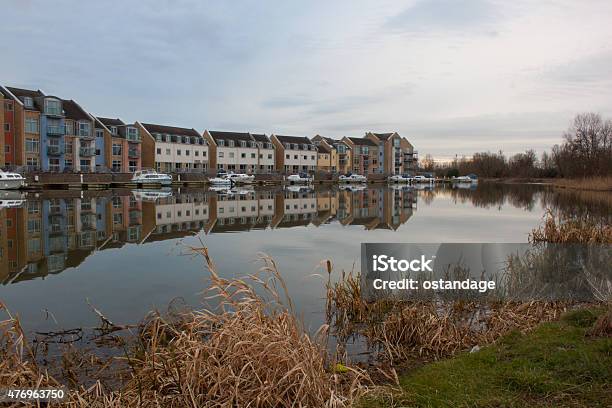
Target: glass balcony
[133, 138]
[55, 130]
[133, 153]
[54, 150]
[87, 151]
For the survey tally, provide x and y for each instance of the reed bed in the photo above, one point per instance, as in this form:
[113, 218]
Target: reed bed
[591, 183]
[249, 351]
[566, 229]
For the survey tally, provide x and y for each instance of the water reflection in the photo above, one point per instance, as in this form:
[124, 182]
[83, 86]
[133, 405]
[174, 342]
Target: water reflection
[48, 232]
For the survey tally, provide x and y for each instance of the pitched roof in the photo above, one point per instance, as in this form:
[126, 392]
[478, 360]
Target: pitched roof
[383, 136]
[72, 110]
[171, 130]
[260, 138]
[23, 93]
[362, 141]
[293, 139]
[110, 122]
[323, 149]
[235, 136]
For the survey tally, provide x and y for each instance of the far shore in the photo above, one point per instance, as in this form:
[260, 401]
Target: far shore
[587, 184]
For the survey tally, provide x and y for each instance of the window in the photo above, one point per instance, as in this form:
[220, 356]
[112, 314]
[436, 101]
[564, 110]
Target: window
[8, 106]
[132, 133]
[186, 152]
[68, 163]
[158, 150]
[28, 102]
[220, 154]
[32, 145]
[231, 155]
[31, 125]
[32, 161]
[117, 218]
[54, 164]
[116, 165]
[33, 246]
[197, 153]
[33, 226]
[116, 149]
[69, 146]
[33, 207]
[305, 157]
[69, 127]
[99, 133]
[133, 165]
[168, 151]
[84, 129]
[113, 130]
[53, 107]
[252, 155]
[269, 156]
[295, 157]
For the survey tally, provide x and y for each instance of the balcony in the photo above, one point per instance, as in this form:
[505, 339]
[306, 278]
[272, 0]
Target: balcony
[55, 130]
[54, 150]
[83, 134]
[133, 138]
[133, 153]
[87, 151]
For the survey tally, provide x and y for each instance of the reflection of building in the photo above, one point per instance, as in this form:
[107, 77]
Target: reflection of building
[47, 236]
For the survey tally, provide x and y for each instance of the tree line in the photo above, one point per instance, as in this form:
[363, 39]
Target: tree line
[586, 151]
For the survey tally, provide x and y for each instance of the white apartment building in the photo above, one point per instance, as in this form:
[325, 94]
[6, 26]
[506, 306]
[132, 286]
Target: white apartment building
[294, 154]
[173, 149]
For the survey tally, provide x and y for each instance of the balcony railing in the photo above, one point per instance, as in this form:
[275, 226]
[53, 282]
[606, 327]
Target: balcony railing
[54, 150]
[87, 151]
[133, 153]
[55, 130]
[85, 134]
[133, 138]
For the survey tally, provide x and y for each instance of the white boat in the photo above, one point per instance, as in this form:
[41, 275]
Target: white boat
[300, 178]
[400, 178]
[11, 181]
[151, 177]
[151, 195]
[462, 179]
[353, 178]
[241, 178]
[299, 189]
[352, 187]
[11, 199]
[220, 181]
[422, 179]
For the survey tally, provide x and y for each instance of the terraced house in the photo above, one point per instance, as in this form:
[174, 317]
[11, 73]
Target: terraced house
[266, 156]
[173, 149]
[364, 155]
[395, 153]
[294, 154]
[118, 145]
[232, 151]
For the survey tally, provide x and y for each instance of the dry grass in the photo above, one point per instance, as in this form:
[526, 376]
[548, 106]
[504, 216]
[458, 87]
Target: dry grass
[250, 351]
[592, 183]
[561, 229]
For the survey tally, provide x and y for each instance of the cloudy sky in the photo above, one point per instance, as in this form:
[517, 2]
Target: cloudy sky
[454, 77]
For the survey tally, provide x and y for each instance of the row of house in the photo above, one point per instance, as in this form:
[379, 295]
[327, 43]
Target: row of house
[46, 133]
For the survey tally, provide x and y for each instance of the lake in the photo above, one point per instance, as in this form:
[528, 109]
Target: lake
[128, 252]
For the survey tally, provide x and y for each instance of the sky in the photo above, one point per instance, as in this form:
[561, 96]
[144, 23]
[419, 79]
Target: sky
[453, 77]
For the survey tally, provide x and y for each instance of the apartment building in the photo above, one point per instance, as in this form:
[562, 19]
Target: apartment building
[79, 141]
[395, 153]
[364, 155]
[294, 154]
[118, 145]
[22, 144]
[173, 149]
[266, 155]
[341, 153]
[7, 128]
[232, 151]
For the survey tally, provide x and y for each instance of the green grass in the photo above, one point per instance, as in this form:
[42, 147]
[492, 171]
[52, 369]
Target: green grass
[555, 365]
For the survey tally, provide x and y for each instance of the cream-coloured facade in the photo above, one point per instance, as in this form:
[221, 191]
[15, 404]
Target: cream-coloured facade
[294, 154]
[240, 152]
[170, 149]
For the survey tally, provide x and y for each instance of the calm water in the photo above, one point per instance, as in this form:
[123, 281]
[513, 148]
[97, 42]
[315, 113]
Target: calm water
[127, 252]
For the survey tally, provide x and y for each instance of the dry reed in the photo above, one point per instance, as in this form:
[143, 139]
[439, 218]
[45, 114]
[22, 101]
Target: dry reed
[592, 183]
[562, 229]
[250, 351]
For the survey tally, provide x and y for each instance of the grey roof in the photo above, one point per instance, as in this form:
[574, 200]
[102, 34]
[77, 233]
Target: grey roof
[23, 93]
[72, 110]
[260, 138]
[323, 149]
[110, 122]
[362, 141]
[383, 136]
[235, 136]
[170, 130]
[293, 139]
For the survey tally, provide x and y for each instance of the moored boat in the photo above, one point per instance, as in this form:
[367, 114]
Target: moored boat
[11, 181]
[146, 176]
[300, 178]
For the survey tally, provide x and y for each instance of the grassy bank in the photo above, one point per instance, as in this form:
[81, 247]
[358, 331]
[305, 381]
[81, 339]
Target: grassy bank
[556, 365]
